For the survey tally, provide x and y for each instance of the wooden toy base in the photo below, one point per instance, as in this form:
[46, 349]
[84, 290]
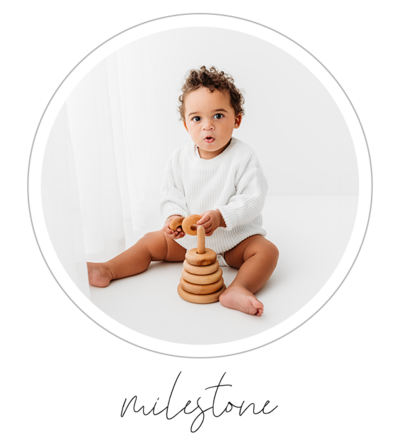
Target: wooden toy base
[200, 299]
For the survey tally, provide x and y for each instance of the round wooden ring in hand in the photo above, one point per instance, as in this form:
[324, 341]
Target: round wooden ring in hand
[188, 222]
[201, 289]
[202, 279]
[176, 222]
[200, 299]
[201, 270]
[204, 259]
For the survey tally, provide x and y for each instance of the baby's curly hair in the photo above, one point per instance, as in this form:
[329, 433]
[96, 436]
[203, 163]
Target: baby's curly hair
[211, 79]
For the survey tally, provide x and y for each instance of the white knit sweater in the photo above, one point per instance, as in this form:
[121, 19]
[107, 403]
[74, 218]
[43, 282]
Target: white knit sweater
[232, 182]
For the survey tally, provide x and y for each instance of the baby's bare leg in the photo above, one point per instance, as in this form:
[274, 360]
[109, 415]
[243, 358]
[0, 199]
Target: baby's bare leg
[256, 259]
[154, 246]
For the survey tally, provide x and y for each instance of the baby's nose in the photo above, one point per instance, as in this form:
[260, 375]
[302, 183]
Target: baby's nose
[208, 125]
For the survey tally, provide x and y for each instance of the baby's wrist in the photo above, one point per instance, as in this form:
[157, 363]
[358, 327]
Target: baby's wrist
[171, 217]
[221, 219]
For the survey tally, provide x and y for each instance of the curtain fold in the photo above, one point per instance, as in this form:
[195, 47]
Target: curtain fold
[98, 187]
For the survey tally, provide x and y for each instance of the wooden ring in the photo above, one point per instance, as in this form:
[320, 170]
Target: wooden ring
[201, 289]
[188, 222]
[200, 299]
[202, 279]
[203, 259]
[200, 270]
[176, 222]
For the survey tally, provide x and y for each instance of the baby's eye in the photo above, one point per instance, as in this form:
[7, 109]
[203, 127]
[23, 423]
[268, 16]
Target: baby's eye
[218, 116]
[194, 119]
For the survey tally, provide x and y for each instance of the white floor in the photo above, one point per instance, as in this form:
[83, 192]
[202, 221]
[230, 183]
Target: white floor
[311, 234]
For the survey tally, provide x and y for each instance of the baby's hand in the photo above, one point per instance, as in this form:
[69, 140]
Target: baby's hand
[211, 220]
[173, 234]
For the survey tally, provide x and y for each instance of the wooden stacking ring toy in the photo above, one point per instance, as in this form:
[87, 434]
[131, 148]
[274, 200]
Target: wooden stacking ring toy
[203, 259]
[200, 299]
[176, 222]
[201, 270]
[201, 289]
[201, 281]
[188, 222]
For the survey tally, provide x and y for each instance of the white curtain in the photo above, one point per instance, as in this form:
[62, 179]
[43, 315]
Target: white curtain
[100, 177]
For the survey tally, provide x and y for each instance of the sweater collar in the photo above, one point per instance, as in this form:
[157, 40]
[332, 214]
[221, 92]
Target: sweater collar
[216, 159]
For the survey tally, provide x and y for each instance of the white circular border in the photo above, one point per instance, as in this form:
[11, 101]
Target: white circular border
[187, 21]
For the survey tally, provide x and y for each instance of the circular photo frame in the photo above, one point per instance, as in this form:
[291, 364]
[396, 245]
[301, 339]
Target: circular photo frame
[220, 29]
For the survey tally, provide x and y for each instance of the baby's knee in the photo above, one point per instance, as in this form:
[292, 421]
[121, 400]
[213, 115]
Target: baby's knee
[153, 236]
[266, 249]
[155, 244]
[273, 252]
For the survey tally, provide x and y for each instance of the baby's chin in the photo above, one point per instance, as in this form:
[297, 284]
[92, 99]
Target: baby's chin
[212, 146]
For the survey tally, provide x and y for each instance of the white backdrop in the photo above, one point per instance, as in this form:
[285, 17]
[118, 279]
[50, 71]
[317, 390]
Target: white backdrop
[106, 154]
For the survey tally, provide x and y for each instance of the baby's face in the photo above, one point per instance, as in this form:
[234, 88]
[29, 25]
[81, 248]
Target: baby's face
[210, 120]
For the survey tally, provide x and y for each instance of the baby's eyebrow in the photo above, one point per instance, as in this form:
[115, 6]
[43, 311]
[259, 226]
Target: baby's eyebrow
[216, 110]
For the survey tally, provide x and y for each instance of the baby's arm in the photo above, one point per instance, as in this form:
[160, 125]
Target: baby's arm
[173, 202]
[251, 190]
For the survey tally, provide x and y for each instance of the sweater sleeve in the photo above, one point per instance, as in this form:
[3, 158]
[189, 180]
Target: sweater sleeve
[251, 190]
[173, 201]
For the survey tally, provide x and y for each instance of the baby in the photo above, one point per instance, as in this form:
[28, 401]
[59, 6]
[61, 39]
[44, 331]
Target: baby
[218, 177]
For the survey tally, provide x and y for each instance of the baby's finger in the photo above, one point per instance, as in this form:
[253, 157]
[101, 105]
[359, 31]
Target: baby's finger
[202, 216]
[207, 224]
[203, 220]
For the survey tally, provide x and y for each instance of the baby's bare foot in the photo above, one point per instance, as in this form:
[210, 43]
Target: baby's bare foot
[239, 298]
[99, 275]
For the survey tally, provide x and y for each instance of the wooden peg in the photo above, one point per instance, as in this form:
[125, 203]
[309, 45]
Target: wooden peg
[201, 240]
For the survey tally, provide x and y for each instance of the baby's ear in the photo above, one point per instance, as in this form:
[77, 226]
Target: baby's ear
[238, 120]
[184, 123]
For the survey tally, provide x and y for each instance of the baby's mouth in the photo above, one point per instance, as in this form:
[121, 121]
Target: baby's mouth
[209, 139]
